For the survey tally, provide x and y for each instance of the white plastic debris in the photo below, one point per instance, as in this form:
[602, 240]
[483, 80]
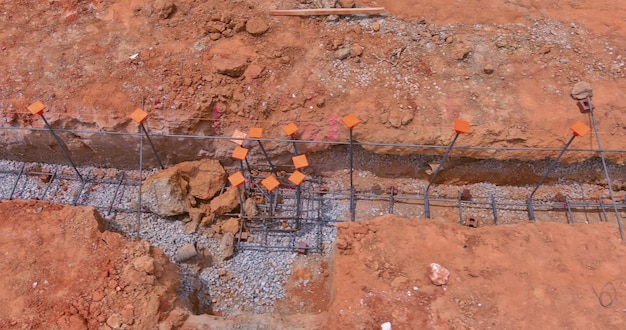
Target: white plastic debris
[385, 326]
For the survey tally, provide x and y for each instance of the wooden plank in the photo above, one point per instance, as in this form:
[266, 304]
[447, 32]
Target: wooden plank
[328, 11]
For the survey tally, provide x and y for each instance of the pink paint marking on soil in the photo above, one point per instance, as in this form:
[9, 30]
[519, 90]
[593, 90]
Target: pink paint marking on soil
[217, 126]
[333, 128]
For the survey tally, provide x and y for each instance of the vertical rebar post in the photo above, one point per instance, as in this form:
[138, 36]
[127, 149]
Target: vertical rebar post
[45, 190]
[494, 209]
[426, 204]
[582, 191]
[298, 206]
[350, 121]
[117, 189]
[242, 171]
[62, 146]
[606, 218]
[460, 204]
[143, 128]
[241, 215]
[531, 214]
[295, 148]
[606, 171]
[352, 201]
[432, 178]
[140, 183]
[552, 166]
[531, 211]
[267, 157]
[248, 166]
[19, 175]
[391, 192]
[156, 154]
[569, 211]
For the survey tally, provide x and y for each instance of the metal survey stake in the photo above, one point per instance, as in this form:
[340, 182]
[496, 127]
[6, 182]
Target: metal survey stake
[351, 121]
[257, 133]
[460, 126]
[139, 116]
[37, 108]
[606, 171]
[291, 129]
[578, 129]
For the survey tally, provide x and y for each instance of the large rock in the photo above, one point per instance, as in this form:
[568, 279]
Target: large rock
[581, 90]
[174, 191]
[165, 193]
[225, 202]
[206, 177]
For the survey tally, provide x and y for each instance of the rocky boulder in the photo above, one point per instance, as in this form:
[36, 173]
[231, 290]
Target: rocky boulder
[225, 202]
[175, 190]
[206, 177]
[165, 193]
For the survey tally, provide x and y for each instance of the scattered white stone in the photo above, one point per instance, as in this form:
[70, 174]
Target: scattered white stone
[438, 274]
[385, 326]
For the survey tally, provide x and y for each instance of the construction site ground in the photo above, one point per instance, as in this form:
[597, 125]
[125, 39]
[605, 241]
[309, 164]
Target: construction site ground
[210, 68]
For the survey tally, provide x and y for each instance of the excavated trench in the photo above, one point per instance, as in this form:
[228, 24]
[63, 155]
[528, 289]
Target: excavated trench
[198, 286]
[121, 151]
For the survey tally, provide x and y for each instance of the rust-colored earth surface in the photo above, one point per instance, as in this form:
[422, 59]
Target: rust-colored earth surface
[61, 272]
[208, 68]
[549, 276]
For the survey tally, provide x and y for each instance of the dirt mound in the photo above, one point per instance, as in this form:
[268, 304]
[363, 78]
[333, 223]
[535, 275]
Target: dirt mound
[61, 271]
[528, 276]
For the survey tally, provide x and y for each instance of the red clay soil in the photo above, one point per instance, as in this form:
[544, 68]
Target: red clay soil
[548, 276]
[208, 68]
[59, 271]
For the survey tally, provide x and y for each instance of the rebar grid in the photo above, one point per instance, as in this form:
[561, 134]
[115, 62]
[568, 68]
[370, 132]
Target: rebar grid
[290, 220]
[292, 215]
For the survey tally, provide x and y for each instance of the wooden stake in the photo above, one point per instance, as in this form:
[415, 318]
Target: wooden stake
[328, 11]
